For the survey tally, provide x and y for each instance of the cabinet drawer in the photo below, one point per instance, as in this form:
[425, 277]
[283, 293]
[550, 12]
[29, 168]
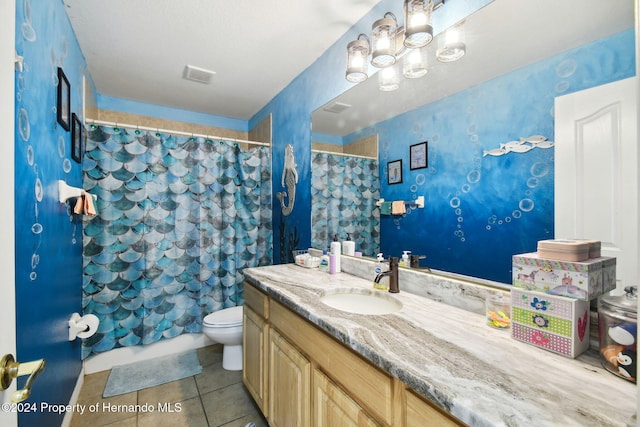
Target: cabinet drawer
[257, 300]
[369, 386]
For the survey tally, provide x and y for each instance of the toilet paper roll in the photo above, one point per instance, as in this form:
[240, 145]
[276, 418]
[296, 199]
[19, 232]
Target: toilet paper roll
[88, 324]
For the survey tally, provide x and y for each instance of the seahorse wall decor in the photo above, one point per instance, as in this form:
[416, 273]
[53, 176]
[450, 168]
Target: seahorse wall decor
[289, 181]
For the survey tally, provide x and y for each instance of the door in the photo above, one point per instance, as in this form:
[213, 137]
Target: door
[596, 172]
[7, 264]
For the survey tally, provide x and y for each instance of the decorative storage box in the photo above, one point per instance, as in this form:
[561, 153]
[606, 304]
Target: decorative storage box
[557, 324]
[581, 280]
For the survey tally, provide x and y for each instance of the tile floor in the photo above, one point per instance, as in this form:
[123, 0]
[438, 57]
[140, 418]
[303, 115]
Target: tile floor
[214, 397]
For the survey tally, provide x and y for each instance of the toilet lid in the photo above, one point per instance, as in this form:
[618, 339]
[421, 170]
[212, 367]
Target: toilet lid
[227, 317]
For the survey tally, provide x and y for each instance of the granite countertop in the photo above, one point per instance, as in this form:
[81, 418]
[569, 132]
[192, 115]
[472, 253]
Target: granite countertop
[449, 355]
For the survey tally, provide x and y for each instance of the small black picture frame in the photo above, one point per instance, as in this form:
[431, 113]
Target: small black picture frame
[63, 106]
[394, 172]
[76, 138]
[418, 156]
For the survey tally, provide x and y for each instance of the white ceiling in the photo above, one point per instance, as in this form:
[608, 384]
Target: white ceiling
[138, 49]
[503, 36]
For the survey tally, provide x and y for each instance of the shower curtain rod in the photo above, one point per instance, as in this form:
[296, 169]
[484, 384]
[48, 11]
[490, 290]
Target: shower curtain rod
[172, 132]
[343, 154]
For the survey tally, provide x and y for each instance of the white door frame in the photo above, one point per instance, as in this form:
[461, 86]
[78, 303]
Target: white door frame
[7, 223]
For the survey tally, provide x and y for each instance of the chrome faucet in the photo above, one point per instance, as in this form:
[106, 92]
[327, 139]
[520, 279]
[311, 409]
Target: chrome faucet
[393, 275]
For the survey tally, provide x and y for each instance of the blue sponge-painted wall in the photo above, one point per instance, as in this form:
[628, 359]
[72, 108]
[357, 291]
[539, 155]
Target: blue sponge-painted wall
[48, 236]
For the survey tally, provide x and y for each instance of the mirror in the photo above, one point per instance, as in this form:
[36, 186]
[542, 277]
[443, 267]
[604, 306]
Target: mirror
[481, 206]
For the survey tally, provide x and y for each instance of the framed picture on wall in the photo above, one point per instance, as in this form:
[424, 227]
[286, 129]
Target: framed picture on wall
[394, 172]
[76, 139]
[418, 156]
[63, 105]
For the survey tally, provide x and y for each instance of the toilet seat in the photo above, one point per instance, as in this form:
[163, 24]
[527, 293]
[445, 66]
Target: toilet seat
[226, 318]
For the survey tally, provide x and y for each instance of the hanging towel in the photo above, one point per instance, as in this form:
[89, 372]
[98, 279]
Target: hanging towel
[84, 205]
[398, 207]
[385, 208]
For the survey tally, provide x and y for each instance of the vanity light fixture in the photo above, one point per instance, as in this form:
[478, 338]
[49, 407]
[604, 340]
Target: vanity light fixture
[451, 45]
[415, 64]
[417, 22]
[388, 79]
[390, 42]
[383, 40]
[357, 58]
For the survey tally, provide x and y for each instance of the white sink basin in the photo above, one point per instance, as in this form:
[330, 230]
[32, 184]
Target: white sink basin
[361, 301]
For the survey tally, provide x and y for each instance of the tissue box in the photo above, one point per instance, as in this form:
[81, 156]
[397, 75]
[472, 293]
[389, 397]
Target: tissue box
[554, 323]
[581, 280]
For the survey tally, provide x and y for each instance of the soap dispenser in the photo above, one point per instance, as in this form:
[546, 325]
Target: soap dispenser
[324, 261]
[404, 262]
[349, 246]
[335, 250]
[379, 267]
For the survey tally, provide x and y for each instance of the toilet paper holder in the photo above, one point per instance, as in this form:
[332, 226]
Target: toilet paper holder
[78, 327]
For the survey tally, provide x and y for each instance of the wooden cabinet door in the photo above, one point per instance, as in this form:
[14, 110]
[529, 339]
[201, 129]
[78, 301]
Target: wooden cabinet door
[254, 357]
[333, 407]
[289, 384]
[418, 412]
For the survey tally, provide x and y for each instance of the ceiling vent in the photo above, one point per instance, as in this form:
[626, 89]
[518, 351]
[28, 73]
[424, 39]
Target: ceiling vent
[197, 74]
[336, 107]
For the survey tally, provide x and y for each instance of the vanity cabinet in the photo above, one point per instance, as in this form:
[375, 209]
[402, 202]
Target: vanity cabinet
[311, 379]
[419, 412]
[255, 346]
[289, 383]
[334, 407]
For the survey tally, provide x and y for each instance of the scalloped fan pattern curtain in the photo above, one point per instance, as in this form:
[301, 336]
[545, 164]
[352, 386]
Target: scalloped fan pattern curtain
[178, 219]
[344, 191]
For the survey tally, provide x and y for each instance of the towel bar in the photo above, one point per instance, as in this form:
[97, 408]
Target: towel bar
[67, 192]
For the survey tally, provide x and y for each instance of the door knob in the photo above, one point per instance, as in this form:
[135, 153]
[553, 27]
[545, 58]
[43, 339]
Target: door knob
[10, 369]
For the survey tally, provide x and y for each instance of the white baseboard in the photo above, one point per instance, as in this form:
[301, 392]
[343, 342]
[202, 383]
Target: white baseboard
[66, 421]
[124, 355]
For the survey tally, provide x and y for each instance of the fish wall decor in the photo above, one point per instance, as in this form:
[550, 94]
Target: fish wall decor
[522, 146]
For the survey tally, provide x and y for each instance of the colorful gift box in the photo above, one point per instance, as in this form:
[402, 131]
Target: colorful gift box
[555, 323]
[584, 280]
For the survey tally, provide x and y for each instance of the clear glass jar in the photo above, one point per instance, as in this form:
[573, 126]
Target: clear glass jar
[617, 333]
[498, 309]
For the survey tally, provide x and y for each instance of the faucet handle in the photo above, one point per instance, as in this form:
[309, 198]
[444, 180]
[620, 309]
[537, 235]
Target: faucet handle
[415, 260]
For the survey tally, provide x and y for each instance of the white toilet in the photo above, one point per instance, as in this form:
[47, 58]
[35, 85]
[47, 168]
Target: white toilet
[225, 327]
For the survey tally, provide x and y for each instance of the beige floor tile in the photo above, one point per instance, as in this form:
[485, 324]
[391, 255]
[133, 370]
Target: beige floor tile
[175, 391]
[213, 377]
[210, 354]
[187, 413]
[227, 404]
[107, 411]
[256, 419]
[129, 422]
[93, 387]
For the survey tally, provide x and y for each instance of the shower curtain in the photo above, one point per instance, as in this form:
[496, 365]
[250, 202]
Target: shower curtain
[344, 191]
[178, 219]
